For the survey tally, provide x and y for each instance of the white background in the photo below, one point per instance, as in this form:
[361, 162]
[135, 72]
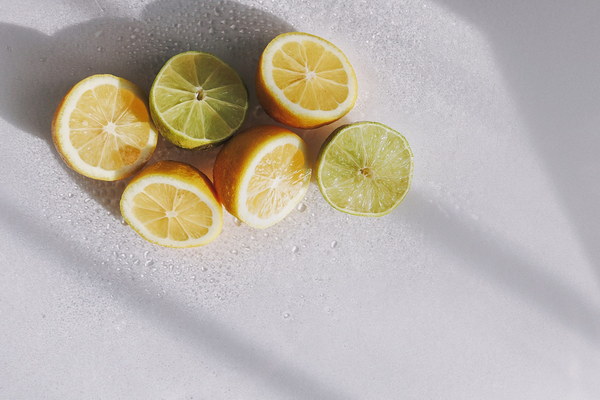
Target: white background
[484, 283]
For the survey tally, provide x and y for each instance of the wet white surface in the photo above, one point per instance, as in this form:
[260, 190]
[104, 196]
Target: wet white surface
[484, 283]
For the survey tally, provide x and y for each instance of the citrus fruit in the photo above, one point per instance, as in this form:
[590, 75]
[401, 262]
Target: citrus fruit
[172, 204]
[197, 100]
[364, 168]
[261, 174]
[102, 129]
[305, 81]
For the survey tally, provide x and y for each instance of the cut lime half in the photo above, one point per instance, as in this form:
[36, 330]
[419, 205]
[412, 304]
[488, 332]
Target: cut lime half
[197, 100]
[365, 169]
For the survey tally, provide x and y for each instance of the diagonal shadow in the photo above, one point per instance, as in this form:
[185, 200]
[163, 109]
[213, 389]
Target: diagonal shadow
[548, 53]
[504, 263]
[205, 333]
[36, 70]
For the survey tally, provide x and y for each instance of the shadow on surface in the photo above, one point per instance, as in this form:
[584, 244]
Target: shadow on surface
[37, 70]
[548, 53]
[207, 335]
[504, 263]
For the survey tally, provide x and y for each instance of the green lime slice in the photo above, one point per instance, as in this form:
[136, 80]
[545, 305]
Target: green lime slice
[197, 100]
[365, 169]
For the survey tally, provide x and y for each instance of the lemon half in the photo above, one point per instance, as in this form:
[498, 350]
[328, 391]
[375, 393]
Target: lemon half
[305, 81]
[172, 204]
[102, 128]
[261, 174]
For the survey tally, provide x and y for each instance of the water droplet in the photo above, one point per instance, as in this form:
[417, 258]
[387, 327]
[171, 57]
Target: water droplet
[236, 221]
[301, 207]
[132, 36]
[286, 315]
[43, 59]
[203, 269]
[257, 111]
[70, 195]
[295, 249]
[334, 244]
[149, 263]
[100, 48]
[234, 251]
[8, 48]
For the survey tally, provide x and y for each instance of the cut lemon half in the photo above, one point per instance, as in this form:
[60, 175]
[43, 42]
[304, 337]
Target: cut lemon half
[365, 169]
[305, 81]
[102, 128]
[197, 100]
[261, 174]
[172, 204]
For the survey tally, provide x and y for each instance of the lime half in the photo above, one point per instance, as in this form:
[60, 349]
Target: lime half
[197, 100]
[365, 169]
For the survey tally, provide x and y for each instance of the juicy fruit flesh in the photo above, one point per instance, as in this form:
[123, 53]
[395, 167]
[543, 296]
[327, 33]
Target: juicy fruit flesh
[367, 169]
[277, 179]
[170, 212]
[310, 75]
[199, 96]
[109, 126]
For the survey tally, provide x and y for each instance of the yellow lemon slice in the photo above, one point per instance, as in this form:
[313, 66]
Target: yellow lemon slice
[305, 81]
[261, 174]
[172, 204]
[102, 128]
